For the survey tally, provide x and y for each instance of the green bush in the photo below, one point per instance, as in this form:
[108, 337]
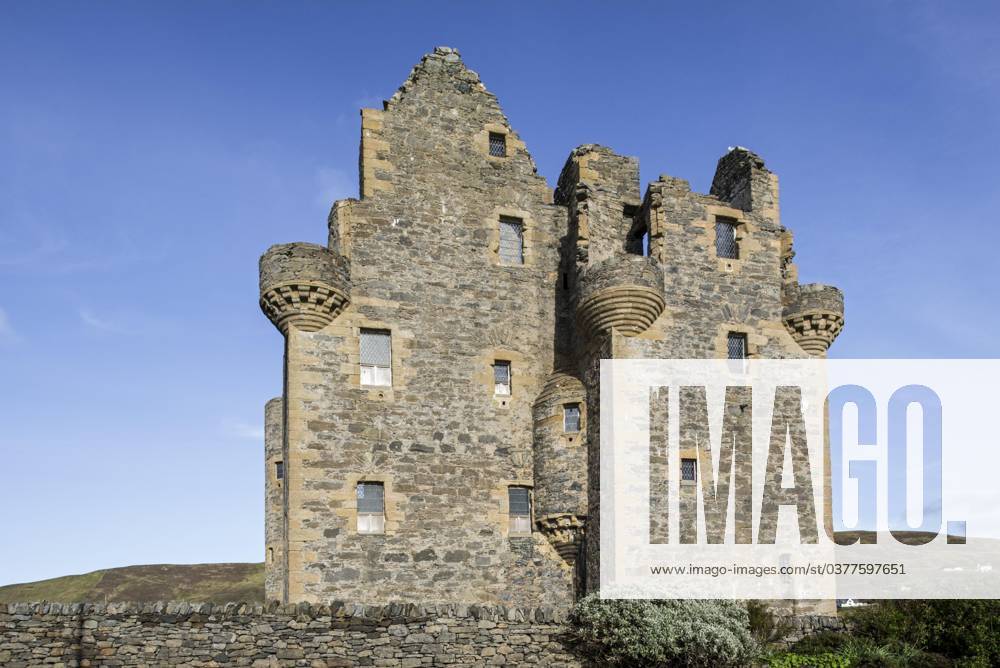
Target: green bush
[966, 631]
[820, 643]
[796, 660]
[688, 634]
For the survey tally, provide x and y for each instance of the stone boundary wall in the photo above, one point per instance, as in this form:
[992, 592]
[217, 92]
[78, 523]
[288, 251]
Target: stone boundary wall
[808, 625]
[237, 634]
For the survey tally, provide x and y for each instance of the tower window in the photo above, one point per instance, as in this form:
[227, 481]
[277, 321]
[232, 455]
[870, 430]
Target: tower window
[511, 240]
[371, 507]
[571, 417]
[501, 378]
[279, 470]
[519, 504]
[736, 344]
[726, 245]
[376, 357]
[689, 470]
[498, 144]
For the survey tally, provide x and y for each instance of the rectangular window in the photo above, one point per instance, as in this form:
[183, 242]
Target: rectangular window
[376, 357]
[519, 502]
[571, 417]
[725, 239]
[498, 145]
[371, 507]
[279, 470]
[736, 343]
[501, 378]
[689, 470]
[511, 240]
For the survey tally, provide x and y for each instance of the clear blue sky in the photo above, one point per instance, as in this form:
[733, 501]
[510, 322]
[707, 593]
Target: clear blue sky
[150, 153]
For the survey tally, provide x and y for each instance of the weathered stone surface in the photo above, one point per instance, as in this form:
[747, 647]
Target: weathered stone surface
[605, 274]
[310, 635]
[303, 285]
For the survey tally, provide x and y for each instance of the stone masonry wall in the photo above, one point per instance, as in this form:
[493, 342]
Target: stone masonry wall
[422, 242]
[169, 634]
[422, 246]
[274, 500]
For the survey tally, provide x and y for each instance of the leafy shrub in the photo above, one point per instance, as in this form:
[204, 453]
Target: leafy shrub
[967, 631]
[796, 660]
[822, 642]
[866, 653]
[689, 634]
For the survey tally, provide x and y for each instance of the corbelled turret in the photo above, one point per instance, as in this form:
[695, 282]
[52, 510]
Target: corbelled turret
[303, 285]
[815, 317]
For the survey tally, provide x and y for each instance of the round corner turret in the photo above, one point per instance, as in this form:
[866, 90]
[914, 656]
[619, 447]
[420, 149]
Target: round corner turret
[560, 463]
[303, 285]
[814, 317]
[623, 293]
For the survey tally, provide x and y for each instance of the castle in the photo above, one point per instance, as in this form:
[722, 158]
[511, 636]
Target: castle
[437, 433]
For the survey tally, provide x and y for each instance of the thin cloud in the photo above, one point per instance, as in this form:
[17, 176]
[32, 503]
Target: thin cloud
[244, 431]
[97, 323]
[7, 333]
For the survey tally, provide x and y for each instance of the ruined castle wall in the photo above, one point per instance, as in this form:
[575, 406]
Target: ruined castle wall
[423, 246]
[172, 634]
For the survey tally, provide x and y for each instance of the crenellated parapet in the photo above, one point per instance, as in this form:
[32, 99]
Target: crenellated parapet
[302, 285]
[814, 316]
[624, 293]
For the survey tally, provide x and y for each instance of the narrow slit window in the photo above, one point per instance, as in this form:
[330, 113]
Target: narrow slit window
[501, 378]
[571, 417]
[736, 344]
[519, 503]
[376, 357]
[279, 470]
[498, 144]
[726, 245]
[371, 507]
[689, 470]
[511, 240]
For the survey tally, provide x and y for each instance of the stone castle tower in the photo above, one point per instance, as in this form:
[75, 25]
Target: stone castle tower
[436, 438]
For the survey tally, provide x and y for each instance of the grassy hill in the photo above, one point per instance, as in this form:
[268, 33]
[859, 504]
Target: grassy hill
[203, 583]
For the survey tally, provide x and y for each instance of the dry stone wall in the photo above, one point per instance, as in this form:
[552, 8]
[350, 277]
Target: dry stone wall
[341, 635]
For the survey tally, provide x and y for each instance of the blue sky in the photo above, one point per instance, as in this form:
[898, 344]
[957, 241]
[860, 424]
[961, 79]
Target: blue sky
[151, 152]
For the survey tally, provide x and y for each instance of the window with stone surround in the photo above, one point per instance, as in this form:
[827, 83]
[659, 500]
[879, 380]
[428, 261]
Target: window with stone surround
[376, 357]
[511, 240]
[689, 470]
[571, 418]
[501, 377]
[736, 345]
[498, 145]
[519, 508]
[371, 507]
[279, 470]
[726, 245]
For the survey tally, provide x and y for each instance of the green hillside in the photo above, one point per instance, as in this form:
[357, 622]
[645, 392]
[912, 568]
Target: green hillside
[204, 583]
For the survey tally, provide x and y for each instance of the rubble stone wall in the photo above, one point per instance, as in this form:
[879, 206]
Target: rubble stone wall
[168, 634]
